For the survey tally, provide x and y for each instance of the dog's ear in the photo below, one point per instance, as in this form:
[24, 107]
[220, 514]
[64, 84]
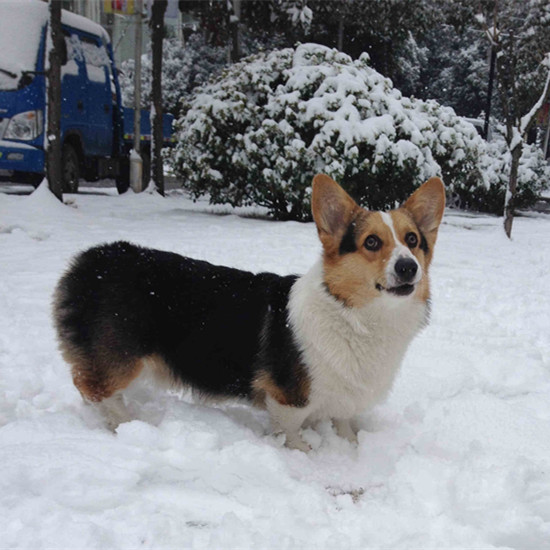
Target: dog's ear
[332, 209]
[427, 205]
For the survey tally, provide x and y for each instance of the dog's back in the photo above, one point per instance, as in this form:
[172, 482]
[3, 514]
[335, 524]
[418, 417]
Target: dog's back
[119, 304]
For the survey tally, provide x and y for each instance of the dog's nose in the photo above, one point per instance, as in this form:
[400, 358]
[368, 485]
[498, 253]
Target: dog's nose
[406, 269]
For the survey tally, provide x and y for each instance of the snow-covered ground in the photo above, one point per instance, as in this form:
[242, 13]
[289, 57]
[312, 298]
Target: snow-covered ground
[458, 456]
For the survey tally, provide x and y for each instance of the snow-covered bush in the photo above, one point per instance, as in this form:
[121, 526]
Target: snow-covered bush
[495, 162]
[259, 132]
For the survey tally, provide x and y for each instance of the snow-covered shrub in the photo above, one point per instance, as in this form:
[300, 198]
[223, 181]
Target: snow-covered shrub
[533, 177]
[259, 132]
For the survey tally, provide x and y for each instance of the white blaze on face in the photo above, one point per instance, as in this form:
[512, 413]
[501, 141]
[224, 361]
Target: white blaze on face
[399, 251]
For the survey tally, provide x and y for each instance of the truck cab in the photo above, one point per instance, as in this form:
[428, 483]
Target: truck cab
[93, 122]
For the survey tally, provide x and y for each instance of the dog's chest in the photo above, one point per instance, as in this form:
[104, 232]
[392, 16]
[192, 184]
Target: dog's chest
[352, 357]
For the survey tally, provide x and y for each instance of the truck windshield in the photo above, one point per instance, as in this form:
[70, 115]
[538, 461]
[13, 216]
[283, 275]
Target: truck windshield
[20, 34]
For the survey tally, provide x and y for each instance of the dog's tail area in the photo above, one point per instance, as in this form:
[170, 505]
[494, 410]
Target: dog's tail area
[87, 341]
[91, 337]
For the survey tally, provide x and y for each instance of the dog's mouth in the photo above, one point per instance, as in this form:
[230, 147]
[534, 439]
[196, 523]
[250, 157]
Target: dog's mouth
[400, 290]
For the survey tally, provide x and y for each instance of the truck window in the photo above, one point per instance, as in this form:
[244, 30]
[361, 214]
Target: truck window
[97, 59]
[74, 55]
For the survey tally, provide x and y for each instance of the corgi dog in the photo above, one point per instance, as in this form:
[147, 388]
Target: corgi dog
[325, 345]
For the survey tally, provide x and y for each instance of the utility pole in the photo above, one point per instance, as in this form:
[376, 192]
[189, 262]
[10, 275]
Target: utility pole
[136, 163]
[157, 36]
[52, 139]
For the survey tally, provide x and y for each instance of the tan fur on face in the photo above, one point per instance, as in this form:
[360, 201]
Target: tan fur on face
[353, 277]
[404, 223]
[426, 207]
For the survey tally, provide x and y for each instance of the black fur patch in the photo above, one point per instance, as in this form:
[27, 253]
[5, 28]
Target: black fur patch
[279, 354]
[215, 327]
[424, 243]
[347, 245]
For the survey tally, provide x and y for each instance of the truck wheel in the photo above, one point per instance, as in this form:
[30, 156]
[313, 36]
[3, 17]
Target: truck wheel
[70, 169]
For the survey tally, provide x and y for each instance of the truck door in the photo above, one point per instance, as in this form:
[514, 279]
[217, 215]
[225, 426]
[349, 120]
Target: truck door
[73, 90]
[98, 100]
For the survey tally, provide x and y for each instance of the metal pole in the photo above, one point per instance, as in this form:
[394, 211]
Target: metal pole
[136, 164]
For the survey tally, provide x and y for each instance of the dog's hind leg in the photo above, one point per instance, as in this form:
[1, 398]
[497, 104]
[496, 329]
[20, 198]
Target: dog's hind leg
[112, 409]
[101, 387]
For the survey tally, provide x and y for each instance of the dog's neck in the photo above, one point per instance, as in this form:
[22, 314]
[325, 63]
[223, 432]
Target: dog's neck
[356, 348]
[310, 295]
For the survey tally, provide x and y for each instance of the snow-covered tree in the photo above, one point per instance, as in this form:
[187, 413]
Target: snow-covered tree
[386, 29]
[260, 132]
[455, 69]
[183, 67]
[495, 164]
[520, 34]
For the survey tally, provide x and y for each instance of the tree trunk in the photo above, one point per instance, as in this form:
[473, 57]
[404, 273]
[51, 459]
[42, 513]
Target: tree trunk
[340, 44]
[492, 63]
[511, 192]
[157, 37]
[235, 30]
[53, 126]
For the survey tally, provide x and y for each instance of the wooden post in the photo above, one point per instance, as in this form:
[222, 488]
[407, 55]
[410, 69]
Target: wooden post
[52, 140]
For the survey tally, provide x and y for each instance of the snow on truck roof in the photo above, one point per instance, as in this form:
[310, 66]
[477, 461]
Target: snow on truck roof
[21, 23]
[35, 14]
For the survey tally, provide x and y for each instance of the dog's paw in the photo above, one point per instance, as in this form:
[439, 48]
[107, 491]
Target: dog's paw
[296, 442]
[345, 430]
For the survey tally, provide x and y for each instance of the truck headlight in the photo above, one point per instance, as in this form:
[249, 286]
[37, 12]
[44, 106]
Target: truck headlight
[24, 126]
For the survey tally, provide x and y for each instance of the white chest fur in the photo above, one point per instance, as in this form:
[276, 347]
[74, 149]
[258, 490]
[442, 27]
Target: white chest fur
[352, 354]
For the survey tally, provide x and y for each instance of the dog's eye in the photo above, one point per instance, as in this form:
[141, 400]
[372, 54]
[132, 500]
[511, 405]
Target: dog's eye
[373, 243]
[411, 239]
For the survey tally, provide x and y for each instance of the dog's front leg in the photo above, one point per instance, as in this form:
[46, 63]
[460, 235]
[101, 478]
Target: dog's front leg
[289, 420]
[345, 429]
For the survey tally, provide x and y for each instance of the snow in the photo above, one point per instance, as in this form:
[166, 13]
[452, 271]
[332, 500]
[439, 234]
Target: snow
[458, 456]
[134, 155]
[21, 23]
[20, 34]
[16, 146]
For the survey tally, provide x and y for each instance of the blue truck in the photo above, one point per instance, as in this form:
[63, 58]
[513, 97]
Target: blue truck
[96, 130]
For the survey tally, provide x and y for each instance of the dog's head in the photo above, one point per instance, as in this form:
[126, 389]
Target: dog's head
[372, 254]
